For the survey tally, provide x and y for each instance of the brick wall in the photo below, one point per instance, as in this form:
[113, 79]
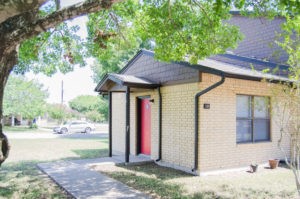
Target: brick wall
[178, 124]
[118, 123]
[218, 147]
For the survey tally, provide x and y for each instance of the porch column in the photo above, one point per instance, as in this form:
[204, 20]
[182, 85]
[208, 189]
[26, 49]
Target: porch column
[110, 123]
[127, 127]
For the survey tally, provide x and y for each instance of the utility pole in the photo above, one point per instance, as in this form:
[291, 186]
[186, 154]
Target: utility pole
[62, 92]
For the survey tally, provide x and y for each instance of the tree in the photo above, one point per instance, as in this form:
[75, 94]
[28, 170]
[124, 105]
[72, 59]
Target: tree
[287, 97]
[23, 23]
[94, 107]
[113, 52]
[286, 100]
[95, 116]
[59, 112]
[23, 97]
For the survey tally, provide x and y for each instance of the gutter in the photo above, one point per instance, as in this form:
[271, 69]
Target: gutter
[159, 124]
[197, 96]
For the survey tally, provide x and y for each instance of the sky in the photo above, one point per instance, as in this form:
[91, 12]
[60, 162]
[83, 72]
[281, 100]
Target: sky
[78, 82]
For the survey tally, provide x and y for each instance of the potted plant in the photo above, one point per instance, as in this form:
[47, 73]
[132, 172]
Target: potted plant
[273, 163]
[254, 167]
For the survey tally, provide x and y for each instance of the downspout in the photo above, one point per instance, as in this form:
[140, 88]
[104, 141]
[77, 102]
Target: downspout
[159, 124]
[127, 127]
[197, 96]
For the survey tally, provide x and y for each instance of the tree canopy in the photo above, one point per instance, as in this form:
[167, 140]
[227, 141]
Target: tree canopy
[175, 30]
[94, 108]
[24, 97]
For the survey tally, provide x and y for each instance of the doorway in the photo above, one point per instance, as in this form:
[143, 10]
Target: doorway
[144, 127]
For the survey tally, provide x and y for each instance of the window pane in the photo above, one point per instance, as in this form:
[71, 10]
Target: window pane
[243, 131]
[261, 130]
[243, 106]
[261, 107]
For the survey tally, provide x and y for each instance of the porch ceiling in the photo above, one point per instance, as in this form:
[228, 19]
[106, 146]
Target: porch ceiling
[118, 83]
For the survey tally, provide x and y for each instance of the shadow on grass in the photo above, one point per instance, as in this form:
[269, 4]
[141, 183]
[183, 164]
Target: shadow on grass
[24, 180]
[149, 185]
[206, 195]
[91, 153]
[8, 191]
[159, 172]
[157, 187]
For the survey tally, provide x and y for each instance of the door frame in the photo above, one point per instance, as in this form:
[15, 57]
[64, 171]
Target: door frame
[138, 123]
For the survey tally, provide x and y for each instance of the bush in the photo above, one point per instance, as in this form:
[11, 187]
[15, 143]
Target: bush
[95, 116]
[33, 126]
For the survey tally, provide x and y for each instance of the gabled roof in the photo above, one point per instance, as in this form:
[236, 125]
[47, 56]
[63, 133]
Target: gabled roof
[249, 60]
[134, 74]
[231, 65]
[124, 80]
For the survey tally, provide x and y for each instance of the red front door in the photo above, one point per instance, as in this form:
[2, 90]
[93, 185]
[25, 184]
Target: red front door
[145, 126]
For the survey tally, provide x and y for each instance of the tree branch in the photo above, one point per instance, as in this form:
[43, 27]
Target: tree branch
[9, 9]
[19, 28]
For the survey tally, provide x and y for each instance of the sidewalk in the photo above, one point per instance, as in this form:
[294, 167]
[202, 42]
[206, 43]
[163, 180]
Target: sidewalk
[79, 181]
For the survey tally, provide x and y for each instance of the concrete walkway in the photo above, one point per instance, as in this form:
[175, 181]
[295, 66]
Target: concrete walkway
[81, 182]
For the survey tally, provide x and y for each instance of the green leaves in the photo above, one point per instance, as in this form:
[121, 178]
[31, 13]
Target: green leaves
[112, 37]
[58, 49]
[23, 97]
[175, 29]
[187, 28]
[94, 107]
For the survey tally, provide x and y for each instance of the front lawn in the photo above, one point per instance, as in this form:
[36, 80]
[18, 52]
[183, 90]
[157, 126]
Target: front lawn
[20, 129]
[19, 176]
[163, 182]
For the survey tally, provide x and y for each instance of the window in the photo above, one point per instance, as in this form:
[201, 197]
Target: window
[252, 119]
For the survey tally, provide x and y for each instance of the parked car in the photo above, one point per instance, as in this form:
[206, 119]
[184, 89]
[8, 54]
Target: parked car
[74, 127]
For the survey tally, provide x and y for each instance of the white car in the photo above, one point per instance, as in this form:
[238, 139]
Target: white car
[74, 127]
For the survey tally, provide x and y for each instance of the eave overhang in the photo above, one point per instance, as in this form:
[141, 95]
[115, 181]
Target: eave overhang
[118, 83]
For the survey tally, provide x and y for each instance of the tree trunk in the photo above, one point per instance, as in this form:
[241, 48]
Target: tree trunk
[4, 145]
[7, 62]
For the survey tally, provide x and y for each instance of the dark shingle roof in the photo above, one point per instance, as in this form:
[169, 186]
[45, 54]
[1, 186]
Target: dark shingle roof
[124, 80]
[259, 36]
[252, 64]
[254, 54]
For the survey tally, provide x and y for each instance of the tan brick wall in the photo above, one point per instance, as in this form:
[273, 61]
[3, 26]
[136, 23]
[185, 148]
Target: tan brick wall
[118, 123]
[218, 147]
[178, 124]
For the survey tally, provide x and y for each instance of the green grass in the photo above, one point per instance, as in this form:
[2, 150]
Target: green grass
[91, 153]
[19, 175]
[24, 180]
[20, 129]
[55, 149]
[146, 179]
[163, 182]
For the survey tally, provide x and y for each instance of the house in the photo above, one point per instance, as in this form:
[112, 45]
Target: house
[199, 118]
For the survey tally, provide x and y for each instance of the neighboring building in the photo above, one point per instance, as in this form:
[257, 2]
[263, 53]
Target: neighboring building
[199, 118]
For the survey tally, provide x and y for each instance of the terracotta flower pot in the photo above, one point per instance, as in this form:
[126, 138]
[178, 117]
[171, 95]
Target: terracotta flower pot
[273, 163]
